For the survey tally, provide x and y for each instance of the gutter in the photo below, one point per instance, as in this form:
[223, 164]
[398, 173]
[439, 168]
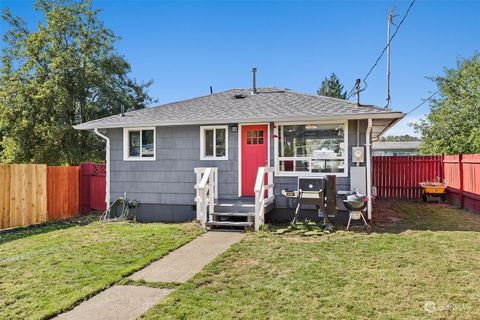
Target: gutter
[369, 168]
[107, 160]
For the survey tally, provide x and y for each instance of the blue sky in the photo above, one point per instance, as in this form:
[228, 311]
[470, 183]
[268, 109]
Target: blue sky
[186, 46]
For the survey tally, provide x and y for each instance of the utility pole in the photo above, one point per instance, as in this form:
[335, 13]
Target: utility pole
[389, 22]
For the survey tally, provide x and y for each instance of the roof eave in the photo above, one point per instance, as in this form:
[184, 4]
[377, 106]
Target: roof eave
[390, 115]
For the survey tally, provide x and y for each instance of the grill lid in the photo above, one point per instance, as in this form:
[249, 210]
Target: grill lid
[311, 184]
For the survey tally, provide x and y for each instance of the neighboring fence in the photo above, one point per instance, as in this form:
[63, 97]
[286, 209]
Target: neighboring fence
[23, 194]
[398, 177]
[462, 176]
[92, 186]
[63, 192]
[34, 193]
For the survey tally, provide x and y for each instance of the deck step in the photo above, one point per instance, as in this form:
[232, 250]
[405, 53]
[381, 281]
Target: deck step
[235, 205]
[234, 214]
[229, 224]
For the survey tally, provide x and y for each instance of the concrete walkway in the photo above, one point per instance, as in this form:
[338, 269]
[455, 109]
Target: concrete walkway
[117, 302]
[129, 302]
[183, 263]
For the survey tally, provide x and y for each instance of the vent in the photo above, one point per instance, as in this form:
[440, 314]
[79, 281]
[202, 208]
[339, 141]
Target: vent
[239, 96]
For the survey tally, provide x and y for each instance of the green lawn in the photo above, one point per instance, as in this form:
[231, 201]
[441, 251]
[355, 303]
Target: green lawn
[47, 269]
[426, 265]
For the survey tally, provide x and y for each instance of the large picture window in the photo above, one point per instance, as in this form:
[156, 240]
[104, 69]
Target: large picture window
[312, 148]
[214, 143]
[139, 144]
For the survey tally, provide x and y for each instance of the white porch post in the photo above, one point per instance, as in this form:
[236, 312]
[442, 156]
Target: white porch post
[197, 198]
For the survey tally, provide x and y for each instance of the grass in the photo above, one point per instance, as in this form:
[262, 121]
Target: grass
[50, 268]
[426, 265]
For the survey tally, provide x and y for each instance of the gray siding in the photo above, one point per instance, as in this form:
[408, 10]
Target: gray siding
[165, 187]
[170, 178]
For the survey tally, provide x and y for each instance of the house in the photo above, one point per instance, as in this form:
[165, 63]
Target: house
[217, 155]
[395, 148]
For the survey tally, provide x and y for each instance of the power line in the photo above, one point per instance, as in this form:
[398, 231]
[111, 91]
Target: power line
[423, 102]
[383, 51]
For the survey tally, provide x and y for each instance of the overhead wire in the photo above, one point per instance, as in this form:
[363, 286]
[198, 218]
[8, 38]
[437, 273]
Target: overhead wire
[423, 102]
[352, 91]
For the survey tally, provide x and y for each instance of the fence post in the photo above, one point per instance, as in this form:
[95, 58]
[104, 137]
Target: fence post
[460, 175]
[442, 168]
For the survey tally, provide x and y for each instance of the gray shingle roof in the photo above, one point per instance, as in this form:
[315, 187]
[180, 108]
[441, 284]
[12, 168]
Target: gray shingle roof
[269, 104]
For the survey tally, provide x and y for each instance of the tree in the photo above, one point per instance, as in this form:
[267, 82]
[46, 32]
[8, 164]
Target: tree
[66, 72]
[404, 137]
[453, 124]
[331, 87]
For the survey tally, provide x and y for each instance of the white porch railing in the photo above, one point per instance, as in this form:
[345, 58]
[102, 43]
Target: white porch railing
[207, 192]
[260, 200]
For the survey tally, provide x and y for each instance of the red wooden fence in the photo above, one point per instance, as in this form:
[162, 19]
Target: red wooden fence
[399, 177]
[62, 192]
[462, 176]
[92, 186]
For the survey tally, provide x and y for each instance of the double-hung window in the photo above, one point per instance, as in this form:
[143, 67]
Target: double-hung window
[214, 142]
[312, 148]
[139, 144]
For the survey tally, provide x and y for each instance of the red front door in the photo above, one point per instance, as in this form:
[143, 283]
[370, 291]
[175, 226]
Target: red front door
[254, 155]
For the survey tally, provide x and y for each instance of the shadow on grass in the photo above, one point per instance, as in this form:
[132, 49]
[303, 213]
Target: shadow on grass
[23, 232]
[399, 216]
[402, 215]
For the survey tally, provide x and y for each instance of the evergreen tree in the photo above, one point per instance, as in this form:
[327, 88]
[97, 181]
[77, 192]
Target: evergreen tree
[331, 87]
[64, 73]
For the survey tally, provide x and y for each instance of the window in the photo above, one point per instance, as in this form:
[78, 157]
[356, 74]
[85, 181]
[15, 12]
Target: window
[312, 148]
[214, 143]
[139, 144]
[255, 137]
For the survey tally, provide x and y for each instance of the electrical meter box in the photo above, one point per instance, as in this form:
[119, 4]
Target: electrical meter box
[358, 154]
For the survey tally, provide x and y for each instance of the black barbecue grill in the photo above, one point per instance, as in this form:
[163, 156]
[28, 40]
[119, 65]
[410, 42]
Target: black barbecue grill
[356, 203]
[318, 192]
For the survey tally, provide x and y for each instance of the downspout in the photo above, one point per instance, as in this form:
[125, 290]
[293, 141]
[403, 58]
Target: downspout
[369, 169]
[358, 137]
[107, 160]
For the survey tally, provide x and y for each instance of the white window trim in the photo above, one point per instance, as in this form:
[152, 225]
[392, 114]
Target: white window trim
[202, 142]
[310, 174]
[126, 156]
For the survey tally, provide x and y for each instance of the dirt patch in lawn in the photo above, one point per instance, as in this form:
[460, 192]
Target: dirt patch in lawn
[402, 215]
[385, 216]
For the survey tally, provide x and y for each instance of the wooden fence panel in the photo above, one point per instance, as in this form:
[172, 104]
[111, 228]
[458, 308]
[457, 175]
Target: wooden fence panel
[63, 192]
[471, 173]
[22, 195]
[92, 186]
[462, 176]
[4, 196]
[398, 177]
[452, 173]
